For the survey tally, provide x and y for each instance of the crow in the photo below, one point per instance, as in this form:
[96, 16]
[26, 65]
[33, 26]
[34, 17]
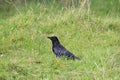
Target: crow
[60, 50]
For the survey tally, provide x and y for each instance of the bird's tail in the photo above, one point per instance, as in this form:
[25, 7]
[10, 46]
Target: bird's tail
[77, 58]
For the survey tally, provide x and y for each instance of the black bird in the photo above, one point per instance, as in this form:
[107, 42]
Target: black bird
[59, 50]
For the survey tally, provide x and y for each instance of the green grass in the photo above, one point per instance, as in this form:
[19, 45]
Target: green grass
[108, 7]
[25, 51]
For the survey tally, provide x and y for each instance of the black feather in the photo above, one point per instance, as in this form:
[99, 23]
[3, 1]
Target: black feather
[59, 50]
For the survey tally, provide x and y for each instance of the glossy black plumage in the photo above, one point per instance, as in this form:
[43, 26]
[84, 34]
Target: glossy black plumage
[60, 50]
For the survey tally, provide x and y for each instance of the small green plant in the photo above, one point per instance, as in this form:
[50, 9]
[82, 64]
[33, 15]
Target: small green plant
[86, 30]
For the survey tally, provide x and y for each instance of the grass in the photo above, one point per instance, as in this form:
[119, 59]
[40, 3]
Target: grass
[25, 51]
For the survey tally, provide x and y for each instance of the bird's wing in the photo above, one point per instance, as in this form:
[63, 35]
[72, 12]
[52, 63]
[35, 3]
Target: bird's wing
[59, 50]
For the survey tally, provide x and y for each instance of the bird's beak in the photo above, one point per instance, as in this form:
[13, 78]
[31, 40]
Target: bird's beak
[49, 37]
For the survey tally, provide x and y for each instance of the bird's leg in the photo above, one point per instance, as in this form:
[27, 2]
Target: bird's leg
[57, 56]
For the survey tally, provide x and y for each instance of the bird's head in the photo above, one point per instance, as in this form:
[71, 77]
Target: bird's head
[54, 39]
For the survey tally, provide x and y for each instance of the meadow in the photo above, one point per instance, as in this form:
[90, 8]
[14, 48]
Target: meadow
[91, 32]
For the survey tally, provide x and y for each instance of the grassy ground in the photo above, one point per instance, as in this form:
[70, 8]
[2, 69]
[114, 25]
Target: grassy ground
[25, 51]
